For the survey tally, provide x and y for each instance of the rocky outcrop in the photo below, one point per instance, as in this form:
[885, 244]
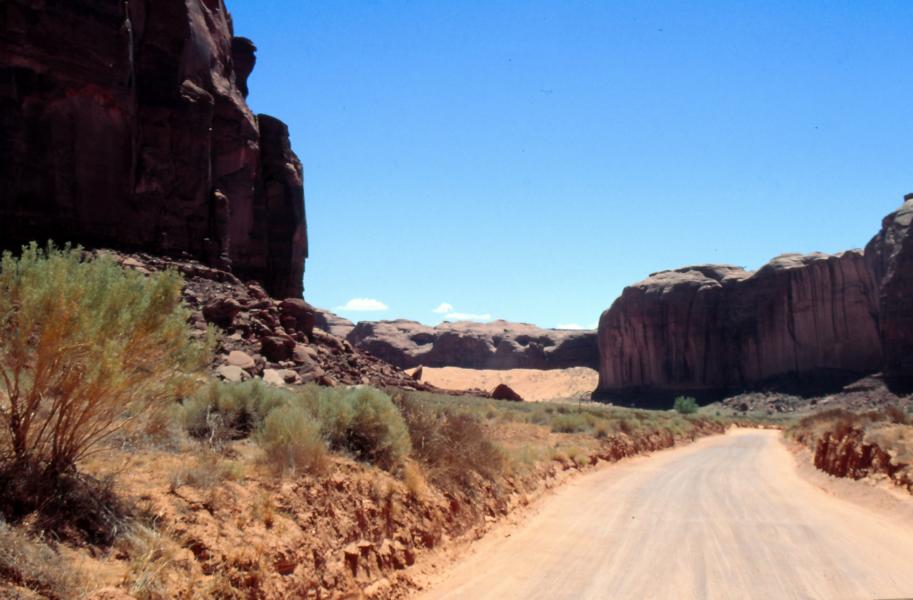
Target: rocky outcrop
[495, 345]
[125, 124]
[258, 336]
[333, 323]
[802, 321]
[890, 255]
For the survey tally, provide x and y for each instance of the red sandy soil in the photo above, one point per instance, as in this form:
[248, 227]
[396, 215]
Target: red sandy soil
[533, 384]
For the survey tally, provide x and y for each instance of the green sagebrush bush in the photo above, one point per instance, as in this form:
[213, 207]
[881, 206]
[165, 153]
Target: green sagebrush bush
[222, 411]
[86, 348]
[362, 421]
[291, 440]
[685, 405]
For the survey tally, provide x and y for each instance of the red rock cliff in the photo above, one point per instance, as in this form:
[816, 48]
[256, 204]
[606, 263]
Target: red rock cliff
[890, 254]
[800, 320]
[125, 123]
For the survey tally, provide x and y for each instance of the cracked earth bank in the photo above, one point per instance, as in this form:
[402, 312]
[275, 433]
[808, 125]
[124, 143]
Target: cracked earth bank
[726, 517]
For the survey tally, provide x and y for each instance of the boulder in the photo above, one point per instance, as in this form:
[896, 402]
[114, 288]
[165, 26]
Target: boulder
[417, 373]
[504, 392]
[232, 373]
[242, 360]
[304, 354]
[277, 348]
[222, 312]
[125, 124]
[273, 377]
[298, 312]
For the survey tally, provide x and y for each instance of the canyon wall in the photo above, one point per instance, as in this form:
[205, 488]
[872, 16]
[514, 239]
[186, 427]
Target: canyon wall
[495, 345]
[805, 322]
[890, 256]
[125, 124]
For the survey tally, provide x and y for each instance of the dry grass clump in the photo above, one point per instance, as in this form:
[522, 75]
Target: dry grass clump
[35, 566]
[570, 423]
[151, 558]
[451, 445]
[207, 471]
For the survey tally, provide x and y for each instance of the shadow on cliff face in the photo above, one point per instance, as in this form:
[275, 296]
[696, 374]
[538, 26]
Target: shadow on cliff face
[819, 382]
[899, 385]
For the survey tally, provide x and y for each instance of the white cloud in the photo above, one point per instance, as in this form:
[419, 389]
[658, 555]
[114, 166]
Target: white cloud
[570, 326]
[458, 316]
[443, 308]
[363, 305]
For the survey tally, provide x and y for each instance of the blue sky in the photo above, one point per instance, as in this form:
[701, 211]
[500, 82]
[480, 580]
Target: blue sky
[526, 160]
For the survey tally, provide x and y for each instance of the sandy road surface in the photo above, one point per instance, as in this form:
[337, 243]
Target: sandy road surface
[727, 517]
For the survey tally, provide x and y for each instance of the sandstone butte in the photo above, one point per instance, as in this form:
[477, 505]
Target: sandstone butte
[124, 124]
[802, 321]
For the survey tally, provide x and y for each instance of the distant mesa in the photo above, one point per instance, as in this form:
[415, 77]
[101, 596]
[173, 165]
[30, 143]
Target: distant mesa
[495, 345]
[805, 322]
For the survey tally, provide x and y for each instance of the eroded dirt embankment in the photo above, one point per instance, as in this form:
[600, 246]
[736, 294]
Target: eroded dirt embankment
[353, 532]
[871, 445]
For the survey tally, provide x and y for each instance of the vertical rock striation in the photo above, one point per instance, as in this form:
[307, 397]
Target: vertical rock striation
[125, 123]
[802, 321]
[890, 255]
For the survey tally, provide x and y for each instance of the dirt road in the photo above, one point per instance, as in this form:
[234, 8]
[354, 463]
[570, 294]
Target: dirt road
[727, 517]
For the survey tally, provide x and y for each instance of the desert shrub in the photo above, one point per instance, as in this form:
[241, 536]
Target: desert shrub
[37, 567]
[415, 480]
[229, 411]
[628, 426]
[685, 405]
[291, 440]
[569, 423]
[452, 445]
[365, 423]
[895, 414]
[295, 428]
[207, 471]
[86, 348]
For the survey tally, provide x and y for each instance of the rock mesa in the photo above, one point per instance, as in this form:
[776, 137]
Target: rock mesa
[495, 345]
[802, 321]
